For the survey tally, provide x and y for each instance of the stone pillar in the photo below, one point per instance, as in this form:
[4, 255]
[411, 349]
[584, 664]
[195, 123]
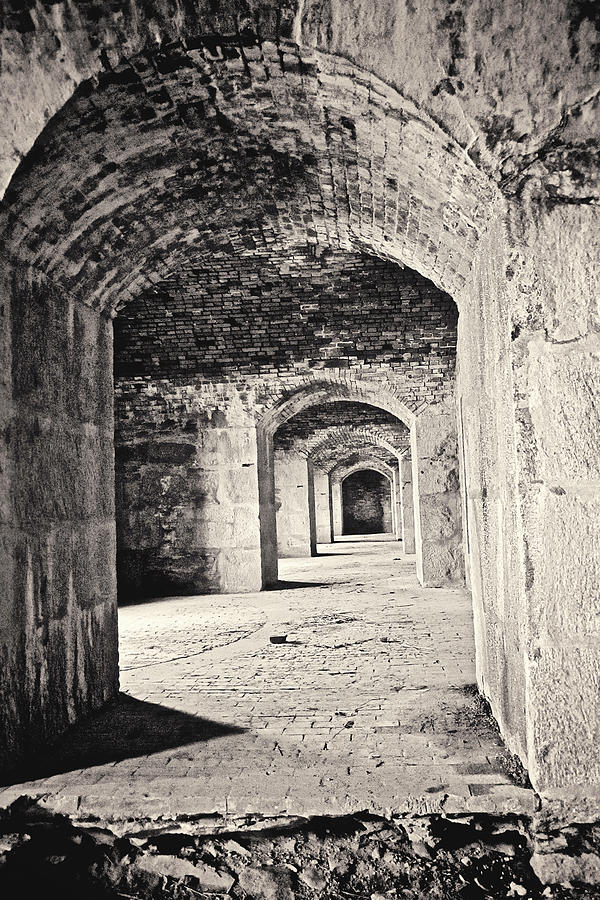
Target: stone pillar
[397, 504]
[336, 510]
[292, 504]
[58, 604]
[187, 500]
[312, 517]
[406, 504]
[322, 511]
[436, 497]
[266, 506]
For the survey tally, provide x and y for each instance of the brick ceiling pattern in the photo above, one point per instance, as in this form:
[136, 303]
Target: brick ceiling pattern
[229, 145]
[365, 456]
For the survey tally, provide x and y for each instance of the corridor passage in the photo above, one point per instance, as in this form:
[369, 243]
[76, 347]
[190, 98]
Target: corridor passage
[369, 704]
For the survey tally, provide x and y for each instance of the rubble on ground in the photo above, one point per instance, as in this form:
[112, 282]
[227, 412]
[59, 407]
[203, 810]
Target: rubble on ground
[360, 856]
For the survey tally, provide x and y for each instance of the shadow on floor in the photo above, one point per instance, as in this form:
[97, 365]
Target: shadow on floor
[292, 585]
[126, 729]
[331, 554]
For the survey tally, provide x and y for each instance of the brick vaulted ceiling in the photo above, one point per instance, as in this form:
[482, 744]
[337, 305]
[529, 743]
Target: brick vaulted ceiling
[303, 425]
[331, 432]
[328, 448]
[235, 145]
[365, 456]
[513, 85]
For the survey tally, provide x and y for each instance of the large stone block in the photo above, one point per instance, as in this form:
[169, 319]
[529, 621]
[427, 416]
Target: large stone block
[564, 730]
[564, 599]
[59, 643]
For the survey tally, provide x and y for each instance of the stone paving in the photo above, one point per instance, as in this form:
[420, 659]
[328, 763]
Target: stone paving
[368, 705]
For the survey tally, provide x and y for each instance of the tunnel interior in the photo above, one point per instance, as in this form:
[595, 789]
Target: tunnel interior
[244, 259]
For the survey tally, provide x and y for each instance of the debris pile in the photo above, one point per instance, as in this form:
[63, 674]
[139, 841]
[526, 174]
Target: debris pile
[361, 856]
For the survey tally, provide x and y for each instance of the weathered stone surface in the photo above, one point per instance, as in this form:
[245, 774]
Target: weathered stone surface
[58, 641]
[322, 505]
[519, 95]
[162, 139]
[206, 877]
[292, 504]
[405, 489]
[557, 868]
[436, 501]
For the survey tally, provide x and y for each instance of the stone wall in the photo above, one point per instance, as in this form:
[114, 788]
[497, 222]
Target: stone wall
[406, 504]
[553, 289]
[58, 631]
[320, 492]
[528, 410]
[294, 505]
[141, 160]
[366, 503]
[187, 493]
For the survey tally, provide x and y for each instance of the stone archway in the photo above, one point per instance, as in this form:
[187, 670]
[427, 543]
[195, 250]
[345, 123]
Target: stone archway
[434, 481]
[526, 316]
[389, 469]
[368, 501]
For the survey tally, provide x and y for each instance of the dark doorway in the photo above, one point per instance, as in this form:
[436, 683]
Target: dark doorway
[366, 503]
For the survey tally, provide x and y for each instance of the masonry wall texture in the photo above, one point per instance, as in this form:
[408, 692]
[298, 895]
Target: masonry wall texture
[316, 421]
[460, 142]
[280, 313]
[261, 322]
[366, 503]
[58, 631]
[293, 499]
[322, 504]
[530, 480]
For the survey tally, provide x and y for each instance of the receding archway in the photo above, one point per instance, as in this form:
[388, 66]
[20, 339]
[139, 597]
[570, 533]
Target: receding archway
[432, 216]
[367, 507]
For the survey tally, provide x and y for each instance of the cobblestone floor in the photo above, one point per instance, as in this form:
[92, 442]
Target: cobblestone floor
[368, 705]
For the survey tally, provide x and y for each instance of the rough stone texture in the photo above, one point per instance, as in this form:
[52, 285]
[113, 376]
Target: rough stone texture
[187, 498]
[320, 493]
[292, 503]
[336, 509]
[366, 503]
[411, 159]
[436, 499]
[557, 393]
[532, 490]
[405, 489]
[58, 633]
[330, 859]
[515, 93]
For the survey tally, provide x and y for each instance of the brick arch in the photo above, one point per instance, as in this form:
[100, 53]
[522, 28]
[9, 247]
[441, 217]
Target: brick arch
[50, 49]
[333, 387]
[219, 146]
[317, 389]
[377, 465]
[323, 448]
